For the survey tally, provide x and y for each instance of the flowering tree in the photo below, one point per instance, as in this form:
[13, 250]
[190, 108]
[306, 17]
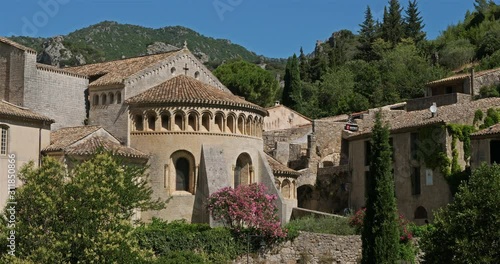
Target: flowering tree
[247, 206]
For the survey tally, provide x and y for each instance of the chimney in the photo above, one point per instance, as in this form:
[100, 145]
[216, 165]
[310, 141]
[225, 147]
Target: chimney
[276, 103]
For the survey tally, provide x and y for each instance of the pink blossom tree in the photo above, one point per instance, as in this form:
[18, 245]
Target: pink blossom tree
[247, 207]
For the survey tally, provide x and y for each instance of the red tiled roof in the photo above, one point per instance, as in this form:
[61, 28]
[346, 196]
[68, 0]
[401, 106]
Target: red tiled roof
[64, 137]
[280, 169]
[16, 45]
[184, 89]
[114, 72]
[445, 114]
[492, 130]
[11, 110]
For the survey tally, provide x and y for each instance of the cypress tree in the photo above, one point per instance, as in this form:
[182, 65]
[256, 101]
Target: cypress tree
[414, 22]
[367, 35]
[292, 94]
[380, 235]
[305, 68]
[392, 28]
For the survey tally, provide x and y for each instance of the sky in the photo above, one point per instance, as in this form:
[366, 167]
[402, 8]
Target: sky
[273, 28]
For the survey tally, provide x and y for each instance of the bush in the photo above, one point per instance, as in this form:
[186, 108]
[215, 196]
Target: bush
[420, 231]
[323, 224]
[177, 257]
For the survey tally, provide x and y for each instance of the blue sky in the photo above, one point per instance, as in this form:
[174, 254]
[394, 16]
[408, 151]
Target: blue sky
[274, 28]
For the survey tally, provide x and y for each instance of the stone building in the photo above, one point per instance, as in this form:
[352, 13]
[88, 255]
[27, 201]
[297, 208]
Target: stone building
[486, 146]
[465, 83]
[23, 133]
[43, 89]
[281, 117]
[415, 136]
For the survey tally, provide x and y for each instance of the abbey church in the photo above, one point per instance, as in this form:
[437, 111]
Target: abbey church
[164, 110]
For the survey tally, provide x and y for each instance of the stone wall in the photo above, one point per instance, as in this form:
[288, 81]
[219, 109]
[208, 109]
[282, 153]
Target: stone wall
[311, 248]
[298, 134]
[440, 100]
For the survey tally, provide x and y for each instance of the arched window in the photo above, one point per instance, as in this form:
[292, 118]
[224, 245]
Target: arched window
[278, 184]
[285, 189]
[182, 174]
[248, 129]
[243, 174]
[4, 137]
[118, 97]
[230, 124]
[151, 122]
[96, 99]
[219, 122]
[197, 75]
[172, 70]
[420, 213]
[111, 98]
[103, 99]
[165, 122]
[192, 122]
[179, 122]
[139, 123]
[241, 125]
[205, 121]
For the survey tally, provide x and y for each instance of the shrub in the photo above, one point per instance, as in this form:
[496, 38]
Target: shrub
[247, 207]
[357, 219]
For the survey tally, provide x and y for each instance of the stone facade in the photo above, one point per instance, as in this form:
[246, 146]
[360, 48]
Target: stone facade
[281, 117]
[485, 145]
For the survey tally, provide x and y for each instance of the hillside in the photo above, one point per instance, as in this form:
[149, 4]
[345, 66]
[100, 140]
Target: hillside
[110, 40]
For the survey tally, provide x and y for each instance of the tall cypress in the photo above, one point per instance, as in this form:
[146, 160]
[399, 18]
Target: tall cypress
[305, 67]
[414, 23]
[367, 35]
[292, 93]
[392, 27]
[380, 235]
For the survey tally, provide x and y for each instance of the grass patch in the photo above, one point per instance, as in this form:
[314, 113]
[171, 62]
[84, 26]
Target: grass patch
[323, 225]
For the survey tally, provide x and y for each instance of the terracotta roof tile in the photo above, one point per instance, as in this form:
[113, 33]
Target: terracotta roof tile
[461, 76]
[114, 72]
[16, 45]
[280, 169]
[399, 120]
[58, 70]
[82, 141]
[492, 130]
[11, 110]
[184, 89]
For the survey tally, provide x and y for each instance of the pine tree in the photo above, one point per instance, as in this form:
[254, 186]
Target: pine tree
[305, 67]
[319, 64]
[380, 235]
[292, 94]
[414, 22]
[392, 27]
[367, 35]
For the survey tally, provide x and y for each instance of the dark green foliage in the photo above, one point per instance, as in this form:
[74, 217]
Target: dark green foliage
[380, 235]
[392, 26]
[214, 245]
[466, 231]
[305, 67]
[323, 225]
[367, 35]
[292, 93]
[248, 80]
[492, 118]
[456, 53]
[341, 48]
[413, 22]
[420, 230]
[177, 257]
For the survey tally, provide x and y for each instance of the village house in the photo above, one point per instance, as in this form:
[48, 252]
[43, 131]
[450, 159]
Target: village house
[486, 146]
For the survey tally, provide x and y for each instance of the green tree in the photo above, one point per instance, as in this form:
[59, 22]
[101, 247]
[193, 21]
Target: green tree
[380, 235]
[319, 63]
[466, 231]
[392, 26]
[413, 22]
[456, 53]
[367, 35]
[248, 80]
[292, 94]
[305, 67]
[82, 215]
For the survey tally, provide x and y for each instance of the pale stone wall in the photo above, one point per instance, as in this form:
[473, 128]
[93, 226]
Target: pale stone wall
[113, 115]
[23, 141]
[311, 248]
[281, 117]
[492, 78]
[12, 67]
[58, 95]
[481, 150]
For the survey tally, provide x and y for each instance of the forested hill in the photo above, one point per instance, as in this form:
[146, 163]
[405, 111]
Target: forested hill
[389, 61]
[111, 40]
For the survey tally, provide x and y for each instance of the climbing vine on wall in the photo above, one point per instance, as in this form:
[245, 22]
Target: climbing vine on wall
[431, 150]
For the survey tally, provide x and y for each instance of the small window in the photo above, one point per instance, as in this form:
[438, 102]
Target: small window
[4, 137]
[103, 99]
[165, 122]
[111, 98]
[151, 122]
[248, 128]
[449, 90]
[173, 70]
[178, 122]
[495, 151]
[182, 174]
[219, 122]
[139, 123]
[285, 189]
[96, 100]
[118, 97]
[192, 122]
[415, 181]
[205, 121]
[230, 124]
[241, 125]
[414, 145]
[197, 75]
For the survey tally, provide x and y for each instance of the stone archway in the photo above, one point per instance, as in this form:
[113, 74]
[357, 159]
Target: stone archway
[305, 196]
[243, 171]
